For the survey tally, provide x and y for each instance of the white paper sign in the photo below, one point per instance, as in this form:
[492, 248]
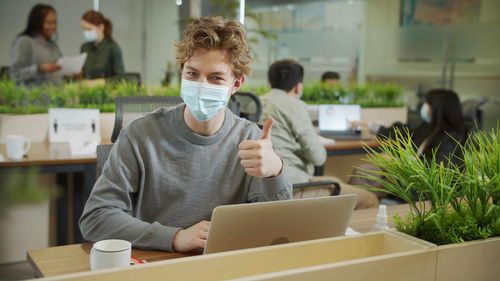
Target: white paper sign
[66, 124]
[71, 65]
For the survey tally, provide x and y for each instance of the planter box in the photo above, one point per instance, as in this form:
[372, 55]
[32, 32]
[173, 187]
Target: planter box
[474, 260]
[372, 256]
[36, 126]
[23, 227]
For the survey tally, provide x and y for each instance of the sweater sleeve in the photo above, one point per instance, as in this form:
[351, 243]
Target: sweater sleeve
[108, 211]
[311, 148]
[270, 189]
[22, 68]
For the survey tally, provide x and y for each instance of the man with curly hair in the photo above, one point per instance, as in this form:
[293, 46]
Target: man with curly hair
[170, 169]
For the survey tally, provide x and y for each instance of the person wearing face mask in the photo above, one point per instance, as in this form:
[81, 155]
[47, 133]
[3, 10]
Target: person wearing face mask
[34, 52]
[104, 56]
[441, 128]
[168, 170]
[294, 137]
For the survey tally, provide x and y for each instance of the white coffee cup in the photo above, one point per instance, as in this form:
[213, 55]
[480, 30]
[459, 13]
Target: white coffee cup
[15, 146]
[110, 253]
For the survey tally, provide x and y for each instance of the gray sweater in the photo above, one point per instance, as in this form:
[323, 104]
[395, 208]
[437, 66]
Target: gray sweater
[161, 177]
[293, 135]
[27, 54]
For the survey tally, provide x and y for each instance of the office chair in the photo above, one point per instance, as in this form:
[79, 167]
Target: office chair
[102, 156]
[334, 187]
[246, 105]
[473, 116]
[4, 72]
[127, 109]
[133, 77]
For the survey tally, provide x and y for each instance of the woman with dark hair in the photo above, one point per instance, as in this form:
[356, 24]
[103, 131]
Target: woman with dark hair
[34, 53]
[104, 56]
[443, 111]
[441, 130]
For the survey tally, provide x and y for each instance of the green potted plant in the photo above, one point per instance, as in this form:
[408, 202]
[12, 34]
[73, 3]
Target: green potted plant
[450, 205]
[24, 213]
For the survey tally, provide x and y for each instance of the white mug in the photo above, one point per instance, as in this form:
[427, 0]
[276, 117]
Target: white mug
[110, 253]
[15, 146]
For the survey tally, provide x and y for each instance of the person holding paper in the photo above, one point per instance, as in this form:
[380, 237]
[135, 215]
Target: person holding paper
[104, 56]
[169, 169]
[34, 52]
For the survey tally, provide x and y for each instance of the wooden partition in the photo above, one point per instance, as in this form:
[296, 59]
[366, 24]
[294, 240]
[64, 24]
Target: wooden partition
[355, 257]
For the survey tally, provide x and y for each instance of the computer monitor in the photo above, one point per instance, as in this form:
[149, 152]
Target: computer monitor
[338, 117]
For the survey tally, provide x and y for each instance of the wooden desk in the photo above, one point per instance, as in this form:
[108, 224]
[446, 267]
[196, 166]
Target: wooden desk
[56, 158]
[75, 258]
[346, 147]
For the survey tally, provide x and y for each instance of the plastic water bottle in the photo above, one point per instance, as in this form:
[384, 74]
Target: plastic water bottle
[381, 220]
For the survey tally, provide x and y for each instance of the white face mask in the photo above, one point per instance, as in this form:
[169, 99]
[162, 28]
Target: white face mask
[204, 100]
[424, 113]
[90, 35]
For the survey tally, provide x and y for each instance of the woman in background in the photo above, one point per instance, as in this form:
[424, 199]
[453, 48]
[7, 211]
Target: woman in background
[104, 56]
[441, 129]
[34, 52]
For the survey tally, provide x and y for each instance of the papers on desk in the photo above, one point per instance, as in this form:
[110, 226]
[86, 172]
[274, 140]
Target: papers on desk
[349, 231]
[78, 147]
[71, 65]
[326, 141]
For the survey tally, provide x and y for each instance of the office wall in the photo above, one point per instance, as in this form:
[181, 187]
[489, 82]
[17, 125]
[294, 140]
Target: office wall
[144, 29]
[479, 78]
[161, 34]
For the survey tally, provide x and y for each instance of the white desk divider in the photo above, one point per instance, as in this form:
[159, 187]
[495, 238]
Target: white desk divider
[68, 124]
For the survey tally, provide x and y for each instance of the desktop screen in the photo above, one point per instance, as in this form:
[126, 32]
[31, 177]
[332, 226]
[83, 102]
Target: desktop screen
[338, 117]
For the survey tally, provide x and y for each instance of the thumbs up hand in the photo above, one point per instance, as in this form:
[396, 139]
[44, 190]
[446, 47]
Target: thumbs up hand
[258, 156]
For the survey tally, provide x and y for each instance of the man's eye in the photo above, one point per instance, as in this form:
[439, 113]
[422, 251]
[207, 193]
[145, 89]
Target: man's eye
[217, 78]
[191, 73]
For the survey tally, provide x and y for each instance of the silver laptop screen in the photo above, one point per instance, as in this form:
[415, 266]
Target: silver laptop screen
[338, 117]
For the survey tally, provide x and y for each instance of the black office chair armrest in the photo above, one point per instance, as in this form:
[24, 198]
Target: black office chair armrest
[336, 185]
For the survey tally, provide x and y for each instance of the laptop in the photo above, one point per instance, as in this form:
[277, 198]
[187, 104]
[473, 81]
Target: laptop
[334, 121]
[242, 226]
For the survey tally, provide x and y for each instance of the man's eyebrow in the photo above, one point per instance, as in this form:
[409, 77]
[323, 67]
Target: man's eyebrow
[218, 73]
[191, 68]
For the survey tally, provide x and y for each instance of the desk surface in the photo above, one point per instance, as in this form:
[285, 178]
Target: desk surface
[45, 153]
[352, 144]
[75, 258]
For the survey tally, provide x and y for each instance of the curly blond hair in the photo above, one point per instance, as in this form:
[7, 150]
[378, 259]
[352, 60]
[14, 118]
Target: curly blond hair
[214, 32]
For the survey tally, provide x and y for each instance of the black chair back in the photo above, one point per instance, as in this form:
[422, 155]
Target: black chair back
[127, 109]
[473, 116]
[102, 156]
[246, 105]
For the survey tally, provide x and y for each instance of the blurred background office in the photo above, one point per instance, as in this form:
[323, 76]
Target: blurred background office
[418, 44]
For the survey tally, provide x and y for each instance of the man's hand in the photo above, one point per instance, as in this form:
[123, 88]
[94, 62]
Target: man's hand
[258, 157]
[192, 238]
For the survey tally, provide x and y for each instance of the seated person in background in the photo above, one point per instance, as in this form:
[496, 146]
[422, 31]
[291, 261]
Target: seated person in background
[330, 78]
[293, 134]
[104, 56]
[169, 169]
[442, 127]
[34, 52]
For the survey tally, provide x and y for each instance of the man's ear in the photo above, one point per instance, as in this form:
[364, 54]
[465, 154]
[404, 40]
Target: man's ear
[237, 84]
[298, 88]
